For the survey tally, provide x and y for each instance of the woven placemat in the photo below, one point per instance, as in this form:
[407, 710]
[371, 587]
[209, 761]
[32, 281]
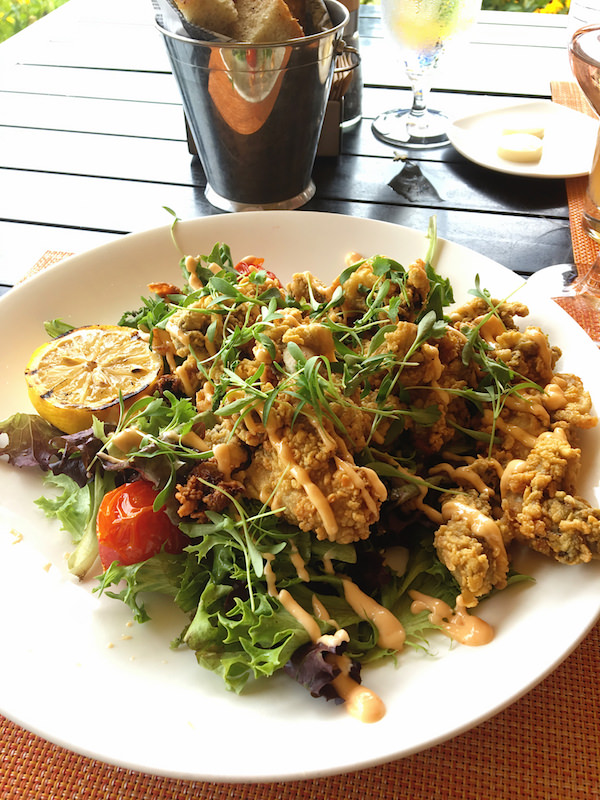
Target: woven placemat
[546, 746]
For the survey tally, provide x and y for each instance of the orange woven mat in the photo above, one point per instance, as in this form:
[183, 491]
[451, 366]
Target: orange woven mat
[546, 746]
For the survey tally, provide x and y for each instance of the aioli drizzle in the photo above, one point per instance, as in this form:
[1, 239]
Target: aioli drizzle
[462, 474]
[360, 702]
[510, 469]
[554, 397]
[458, 624]
[482, 526]
[390, 630]
[314, 494]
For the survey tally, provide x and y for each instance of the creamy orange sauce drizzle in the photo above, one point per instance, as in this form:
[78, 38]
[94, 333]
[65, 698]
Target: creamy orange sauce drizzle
[431, 513]
[314, 494]
[299, 564]
[360, 702]
[192, 439]
[528, 405]
[464, 474]
[164, 345]
[554, 397]
[229, 456]
[321, 612]
[184, 376]
[211, 348]
[358, 482]
[305, 619]
[456, 623]
[509, 470]
[190, 264]
[253, 422]
[483, 527]
[541, 341]
[518, 433]
[270, 576]
[391, 634]
[328, 566]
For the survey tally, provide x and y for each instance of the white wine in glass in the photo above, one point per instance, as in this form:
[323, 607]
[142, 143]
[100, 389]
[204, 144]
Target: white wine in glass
[422, 30]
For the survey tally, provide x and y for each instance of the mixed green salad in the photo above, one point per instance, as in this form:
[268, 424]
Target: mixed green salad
[149, 496]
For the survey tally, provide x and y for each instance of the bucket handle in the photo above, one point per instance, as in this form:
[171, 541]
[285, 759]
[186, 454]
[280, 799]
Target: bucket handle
[351, 62]
[343, 72]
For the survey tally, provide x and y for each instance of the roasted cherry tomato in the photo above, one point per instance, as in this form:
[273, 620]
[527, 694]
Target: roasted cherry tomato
[128, 528]
[252, 264]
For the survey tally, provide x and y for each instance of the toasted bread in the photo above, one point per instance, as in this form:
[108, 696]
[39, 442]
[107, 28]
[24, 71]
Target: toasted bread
[262, 21]
[213, 15]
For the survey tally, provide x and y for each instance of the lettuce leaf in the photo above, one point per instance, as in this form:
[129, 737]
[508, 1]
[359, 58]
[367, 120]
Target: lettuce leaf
[29, 441]
[33, 442]
[164, 573]
[76, 508]
[310, 667]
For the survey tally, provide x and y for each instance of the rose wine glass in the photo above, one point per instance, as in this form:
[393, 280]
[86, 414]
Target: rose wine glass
[421, 29]
[579, 291]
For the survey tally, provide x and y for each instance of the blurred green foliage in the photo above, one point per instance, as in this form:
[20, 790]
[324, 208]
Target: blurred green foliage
[537, 6]
[18, 14]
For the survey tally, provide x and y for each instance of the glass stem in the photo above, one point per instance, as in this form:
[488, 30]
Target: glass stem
[420, 96]
[589, 282]
[420, 83]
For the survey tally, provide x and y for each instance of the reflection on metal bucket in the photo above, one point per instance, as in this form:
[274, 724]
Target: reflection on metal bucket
[256, 111]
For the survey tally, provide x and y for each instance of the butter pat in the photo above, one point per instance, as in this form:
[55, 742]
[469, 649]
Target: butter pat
[523, 147]
[524, 125]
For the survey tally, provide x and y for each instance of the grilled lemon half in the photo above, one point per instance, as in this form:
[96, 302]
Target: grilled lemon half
[83, 374]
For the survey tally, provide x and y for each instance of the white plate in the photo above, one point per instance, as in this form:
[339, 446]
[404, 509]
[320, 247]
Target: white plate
[569, 140]
[140, 705]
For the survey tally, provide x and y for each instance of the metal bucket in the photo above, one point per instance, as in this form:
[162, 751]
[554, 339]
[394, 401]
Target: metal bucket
[256, 111]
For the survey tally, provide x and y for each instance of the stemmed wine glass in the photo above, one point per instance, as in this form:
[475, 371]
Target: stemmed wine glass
[422, 29]
[576, 291]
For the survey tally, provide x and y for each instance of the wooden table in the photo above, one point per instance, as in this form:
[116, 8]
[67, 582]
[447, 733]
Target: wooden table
[93, 143]
[93, 146]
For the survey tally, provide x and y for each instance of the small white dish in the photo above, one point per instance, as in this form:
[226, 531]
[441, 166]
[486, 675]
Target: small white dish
[568, 144]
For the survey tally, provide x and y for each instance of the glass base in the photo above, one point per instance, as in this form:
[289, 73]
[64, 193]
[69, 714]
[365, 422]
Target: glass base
[590, 222]
[282, 205]
[555, 281]
[575, 294]
[398, 127]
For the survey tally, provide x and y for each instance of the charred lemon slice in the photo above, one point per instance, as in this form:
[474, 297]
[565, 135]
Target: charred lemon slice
[82, 374]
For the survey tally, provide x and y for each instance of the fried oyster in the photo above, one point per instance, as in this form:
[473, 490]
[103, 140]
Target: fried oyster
[472, 406]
